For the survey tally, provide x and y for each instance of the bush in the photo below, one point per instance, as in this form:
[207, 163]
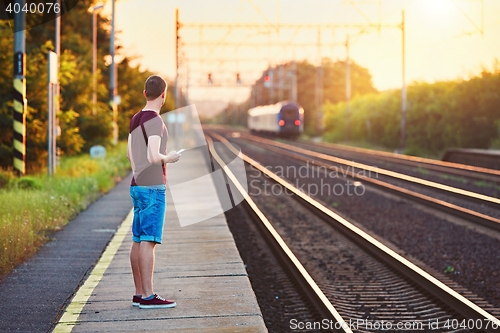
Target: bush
[26, 183]
[5, 178]
[460, 113]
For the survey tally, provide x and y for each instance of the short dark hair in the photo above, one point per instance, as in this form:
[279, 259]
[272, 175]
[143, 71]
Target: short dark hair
[154, 86]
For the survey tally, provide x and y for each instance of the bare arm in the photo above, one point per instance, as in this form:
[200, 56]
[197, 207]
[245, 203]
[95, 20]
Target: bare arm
[129, 152]
[154, 155]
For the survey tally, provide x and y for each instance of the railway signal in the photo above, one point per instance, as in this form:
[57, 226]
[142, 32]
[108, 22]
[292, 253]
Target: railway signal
[267, 80]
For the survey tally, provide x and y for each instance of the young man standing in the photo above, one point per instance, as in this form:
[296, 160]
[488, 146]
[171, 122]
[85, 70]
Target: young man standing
[147, 146]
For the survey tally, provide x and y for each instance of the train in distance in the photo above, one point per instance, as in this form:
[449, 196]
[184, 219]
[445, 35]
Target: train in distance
[285, 119]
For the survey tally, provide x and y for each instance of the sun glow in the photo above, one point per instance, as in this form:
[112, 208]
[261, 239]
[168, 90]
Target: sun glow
[438, 8]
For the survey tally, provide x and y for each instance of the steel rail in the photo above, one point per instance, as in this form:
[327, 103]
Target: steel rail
[441, 205]
[425, 280]
[480, 198]
[448, 167]
[307, 283]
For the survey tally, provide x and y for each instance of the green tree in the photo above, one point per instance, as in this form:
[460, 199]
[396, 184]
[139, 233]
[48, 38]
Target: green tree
[6, 78]
[441, 115]
[333, 84]
[80, 128]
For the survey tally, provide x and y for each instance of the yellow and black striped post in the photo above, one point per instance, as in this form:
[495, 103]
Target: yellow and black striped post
[19, 93]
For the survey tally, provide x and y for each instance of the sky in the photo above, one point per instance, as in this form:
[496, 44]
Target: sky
[445, 39]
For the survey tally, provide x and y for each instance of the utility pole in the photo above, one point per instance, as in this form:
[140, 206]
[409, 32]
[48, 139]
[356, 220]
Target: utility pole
[281, 74]
[403, 90]
[51, 114]
[57, 46]
[53, 89]
[319, 89]
[177, 88]
[56, 100]
[271, 87]
[94, 57]
[177, 37]
[294, 81]
[348, 90]
[19, 92]
[112, 76]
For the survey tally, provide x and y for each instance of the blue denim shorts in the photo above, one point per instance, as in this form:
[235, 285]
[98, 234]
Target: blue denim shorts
[149, 213]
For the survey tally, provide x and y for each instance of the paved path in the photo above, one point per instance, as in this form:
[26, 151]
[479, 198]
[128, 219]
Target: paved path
[81, 280]
[197, 265]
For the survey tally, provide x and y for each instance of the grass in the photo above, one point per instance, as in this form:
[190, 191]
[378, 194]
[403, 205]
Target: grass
[34, 207]
[454, 178]
[486, 184]
[423, 171]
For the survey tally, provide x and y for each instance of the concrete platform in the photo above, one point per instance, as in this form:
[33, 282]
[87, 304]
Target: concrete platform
[198, 266]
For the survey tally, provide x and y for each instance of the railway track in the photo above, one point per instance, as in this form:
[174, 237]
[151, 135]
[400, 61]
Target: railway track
[457, 169]
[391, 160]
[465, 204]
[400, 290]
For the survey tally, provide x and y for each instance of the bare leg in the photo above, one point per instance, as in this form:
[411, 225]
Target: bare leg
[135, 264]
[147, 265]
